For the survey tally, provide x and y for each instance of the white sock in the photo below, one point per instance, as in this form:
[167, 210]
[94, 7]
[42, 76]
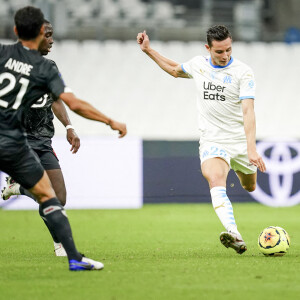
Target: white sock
[57, 245]
[223, 208]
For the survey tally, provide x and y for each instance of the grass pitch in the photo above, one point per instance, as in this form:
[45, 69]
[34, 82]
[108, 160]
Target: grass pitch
[157, 252]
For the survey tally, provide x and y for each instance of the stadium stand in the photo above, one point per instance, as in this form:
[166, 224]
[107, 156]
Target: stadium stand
[166, 19]
[117, 78]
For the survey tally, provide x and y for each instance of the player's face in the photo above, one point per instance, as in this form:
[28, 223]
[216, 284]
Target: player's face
[47, 41]
[220, 52]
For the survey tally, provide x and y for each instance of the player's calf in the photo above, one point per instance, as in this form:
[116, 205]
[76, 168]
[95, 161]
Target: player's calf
[55, 216]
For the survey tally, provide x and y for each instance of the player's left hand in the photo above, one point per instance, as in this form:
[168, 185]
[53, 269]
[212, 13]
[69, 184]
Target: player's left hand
[121, 127]
[256, 160]
[73, 140]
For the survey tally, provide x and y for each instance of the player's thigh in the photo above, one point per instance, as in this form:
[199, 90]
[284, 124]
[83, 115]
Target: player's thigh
[248, 181]
[43, 190]
[22, 164]
[215, 170]
[215, 162]
[48, 159]
[58, 183]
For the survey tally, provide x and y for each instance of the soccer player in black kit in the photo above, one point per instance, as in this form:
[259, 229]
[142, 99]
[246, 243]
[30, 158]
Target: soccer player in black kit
[25, 77]
[38, 123]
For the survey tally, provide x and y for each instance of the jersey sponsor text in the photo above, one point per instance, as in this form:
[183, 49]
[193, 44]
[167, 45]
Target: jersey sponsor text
[211, 87]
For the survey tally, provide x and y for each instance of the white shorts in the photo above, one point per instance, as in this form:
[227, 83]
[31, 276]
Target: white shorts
[234, 154]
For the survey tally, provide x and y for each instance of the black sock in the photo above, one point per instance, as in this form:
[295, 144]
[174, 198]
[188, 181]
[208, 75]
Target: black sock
[57, 220]
[26, 193]
[54, 237]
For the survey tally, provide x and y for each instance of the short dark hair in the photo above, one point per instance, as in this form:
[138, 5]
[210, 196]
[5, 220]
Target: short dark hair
[217, 33]
[28, 21]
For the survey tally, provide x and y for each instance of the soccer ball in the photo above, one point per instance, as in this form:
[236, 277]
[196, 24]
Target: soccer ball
[273, 241]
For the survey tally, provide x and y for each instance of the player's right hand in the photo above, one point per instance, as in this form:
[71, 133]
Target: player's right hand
[73, 140]
[143, 40]
[256, 160]
[121, 127]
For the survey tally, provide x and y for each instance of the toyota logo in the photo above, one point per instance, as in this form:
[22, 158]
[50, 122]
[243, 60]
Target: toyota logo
[282, 160]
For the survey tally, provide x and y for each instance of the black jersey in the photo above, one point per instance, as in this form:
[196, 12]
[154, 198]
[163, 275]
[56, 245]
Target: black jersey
[25, 77]
[38, 123]
[38, 120]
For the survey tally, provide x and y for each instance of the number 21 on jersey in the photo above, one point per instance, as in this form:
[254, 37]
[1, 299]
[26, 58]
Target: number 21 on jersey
[11, 85]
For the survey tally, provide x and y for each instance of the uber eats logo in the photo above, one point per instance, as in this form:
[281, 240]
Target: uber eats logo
[212, 91]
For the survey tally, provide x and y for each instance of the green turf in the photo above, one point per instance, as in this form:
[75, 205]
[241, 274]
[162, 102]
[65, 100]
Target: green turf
[158, 252]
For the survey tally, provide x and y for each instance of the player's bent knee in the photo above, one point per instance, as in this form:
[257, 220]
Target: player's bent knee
[43, 195]
[216, 181]
[249, 188]
[62, 200]
[61, 196]
[43, 190]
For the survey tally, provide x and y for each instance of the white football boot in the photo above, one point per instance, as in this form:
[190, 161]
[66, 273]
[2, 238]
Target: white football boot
[97, 264]
[86, 264]
[234, 241]
[59, 249]
[12, 188]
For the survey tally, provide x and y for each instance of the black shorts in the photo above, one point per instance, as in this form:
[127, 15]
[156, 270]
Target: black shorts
[48, 159]
[22, 165]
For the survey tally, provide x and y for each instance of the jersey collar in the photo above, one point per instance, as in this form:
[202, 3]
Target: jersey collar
[221, 67]
[26, 48]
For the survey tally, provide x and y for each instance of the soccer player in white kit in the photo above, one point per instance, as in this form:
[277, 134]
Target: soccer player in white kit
[225, 101]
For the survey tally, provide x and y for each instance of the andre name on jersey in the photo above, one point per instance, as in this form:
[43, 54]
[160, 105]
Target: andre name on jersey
[18, 66]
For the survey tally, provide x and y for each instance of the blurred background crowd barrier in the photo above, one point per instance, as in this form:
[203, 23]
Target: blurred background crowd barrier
[249, 20]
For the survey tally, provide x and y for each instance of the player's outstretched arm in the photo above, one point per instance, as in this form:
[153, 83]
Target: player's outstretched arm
[168, 65]
[250, 131]
[86, 110]
[61, 114]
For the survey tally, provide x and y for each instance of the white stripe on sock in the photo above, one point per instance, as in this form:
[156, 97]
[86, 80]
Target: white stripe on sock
[223, 208]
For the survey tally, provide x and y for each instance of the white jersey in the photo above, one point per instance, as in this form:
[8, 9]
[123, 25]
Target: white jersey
[220, 91]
